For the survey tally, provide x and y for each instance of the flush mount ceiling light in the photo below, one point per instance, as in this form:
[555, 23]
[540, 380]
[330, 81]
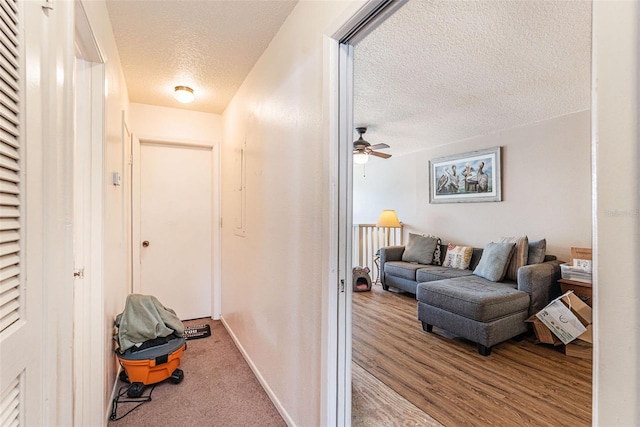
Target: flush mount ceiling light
[184, 94]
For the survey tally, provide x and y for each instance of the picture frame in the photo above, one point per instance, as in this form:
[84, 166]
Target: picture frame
[468, 177]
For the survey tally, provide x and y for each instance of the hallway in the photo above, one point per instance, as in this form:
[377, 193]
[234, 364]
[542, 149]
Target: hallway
[219, 389]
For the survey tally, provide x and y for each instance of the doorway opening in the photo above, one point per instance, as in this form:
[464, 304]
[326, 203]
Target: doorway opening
[415, 174]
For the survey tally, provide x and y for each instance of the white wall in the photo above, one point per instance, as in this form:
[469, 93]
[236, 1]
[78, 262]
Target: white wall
[273, 290]
[115, 262]
[546, 188]
[174, 124]
[616, 91]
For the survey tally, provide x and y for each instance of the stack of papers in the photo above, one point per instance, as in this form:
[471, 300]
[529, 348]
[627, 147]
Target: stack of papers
[579, 274]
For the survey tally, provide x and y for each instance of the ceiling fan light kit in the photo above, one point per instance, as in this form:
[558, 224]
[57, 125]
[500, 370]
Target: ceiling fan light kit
[184, 94]
[362, 149]
[360, 158]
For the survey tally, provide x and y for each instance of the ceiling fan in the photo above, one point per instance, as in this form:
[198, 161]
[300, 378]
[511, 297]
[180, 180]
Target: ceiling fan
[362, 149]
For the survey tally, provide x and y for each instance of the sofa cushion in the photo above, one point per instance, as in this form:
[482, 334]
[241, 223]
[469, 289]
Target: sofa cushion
[458, 256]
[473, 297]
[519, 256]
[406, 270]
[436, 272]
[495, 260]
[420, 249]
[537, 251]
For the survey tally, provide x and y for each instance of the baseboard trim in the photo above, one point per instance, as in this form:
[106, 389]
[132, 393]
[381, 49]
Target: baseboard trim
[283, 412]
[114, 391]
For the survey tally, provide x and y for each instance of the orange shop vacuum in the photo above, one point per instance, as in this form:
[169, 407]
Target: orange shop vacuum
[150, 344]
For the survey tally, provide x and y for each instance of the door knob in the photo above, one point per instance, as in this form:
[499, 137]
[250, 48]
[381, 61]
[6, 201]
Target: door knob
[145, 244]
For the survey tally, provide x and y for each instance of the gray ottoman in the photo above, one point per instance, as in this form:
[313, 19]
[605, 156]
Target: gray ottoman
[474, 308]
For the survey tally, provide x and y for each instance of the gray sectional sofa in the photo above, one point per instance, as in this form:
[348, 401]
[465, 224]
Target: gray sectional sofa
[485, 308]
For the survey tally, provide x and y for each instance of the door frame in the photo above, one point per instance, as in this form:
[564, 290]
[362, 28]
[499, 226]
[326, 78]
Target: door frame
[127, 198]
[338, 47]
[136, 141]
[89, 341]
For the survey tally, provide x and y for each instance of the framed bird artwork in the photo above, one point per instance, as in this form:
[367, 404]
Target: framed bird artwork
[468, 177]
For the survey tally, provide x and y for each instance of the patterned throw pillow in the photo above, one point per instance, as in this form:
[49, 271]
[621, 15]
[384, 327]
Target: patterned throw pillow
[458, 257]
[519, 257]
[436, 253]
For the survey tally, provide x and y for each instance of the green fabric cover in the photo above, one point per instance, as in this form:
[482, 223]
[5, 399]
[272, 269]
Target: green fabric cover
[145, 318]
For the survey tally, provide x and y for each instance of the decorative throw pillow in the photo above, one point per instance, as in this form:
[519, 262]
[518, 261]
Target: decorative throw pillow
[458, 257]
[537, 251]
[494, 261]
[419, 249]
[519, 257]
[436, 253]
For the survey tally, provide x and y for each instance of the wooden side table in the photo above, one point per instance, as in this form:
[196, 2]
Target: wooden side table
[581, 289]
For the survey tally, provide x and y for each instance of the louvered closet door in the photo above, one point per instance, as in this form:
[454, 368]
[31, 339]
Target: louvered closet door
[20, 374]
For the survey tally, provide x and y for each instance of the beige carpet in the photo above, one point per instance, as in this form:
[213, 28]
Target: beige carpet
[219, 389]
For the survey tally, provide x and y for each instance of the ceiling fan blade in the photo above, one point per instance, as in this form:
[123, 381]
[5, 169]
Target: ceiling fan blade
[379, 146]
[381, 155]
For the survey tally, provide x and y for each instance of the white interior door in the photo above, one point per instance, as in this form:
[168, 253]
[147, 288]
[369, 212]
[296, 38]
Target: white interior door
[22, 289]
[175, 227]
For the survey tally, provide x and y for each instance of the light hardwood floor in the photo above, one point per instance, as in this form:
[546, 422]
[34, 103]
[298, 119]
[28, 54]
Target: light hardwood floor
[520, 383]
[376, 404]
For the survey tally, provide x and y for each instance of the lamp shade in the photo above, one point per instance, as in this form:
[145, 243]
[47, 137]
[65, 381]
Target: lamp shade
[388, 218]
[360, 158]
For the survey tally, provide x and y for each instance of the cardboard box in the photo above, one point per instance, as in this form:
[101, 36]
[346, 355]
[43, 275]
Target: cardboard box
[588, 335]
[580, 253]
[578, 307]
[543, 334]
[584, 291]
[568, 317]
[580, 349]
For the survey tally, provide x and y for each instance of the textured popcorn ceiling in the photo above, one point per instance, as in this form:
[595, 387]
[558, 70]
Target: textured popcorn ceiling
[434, 73]
[209, 45]
[438, 72]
